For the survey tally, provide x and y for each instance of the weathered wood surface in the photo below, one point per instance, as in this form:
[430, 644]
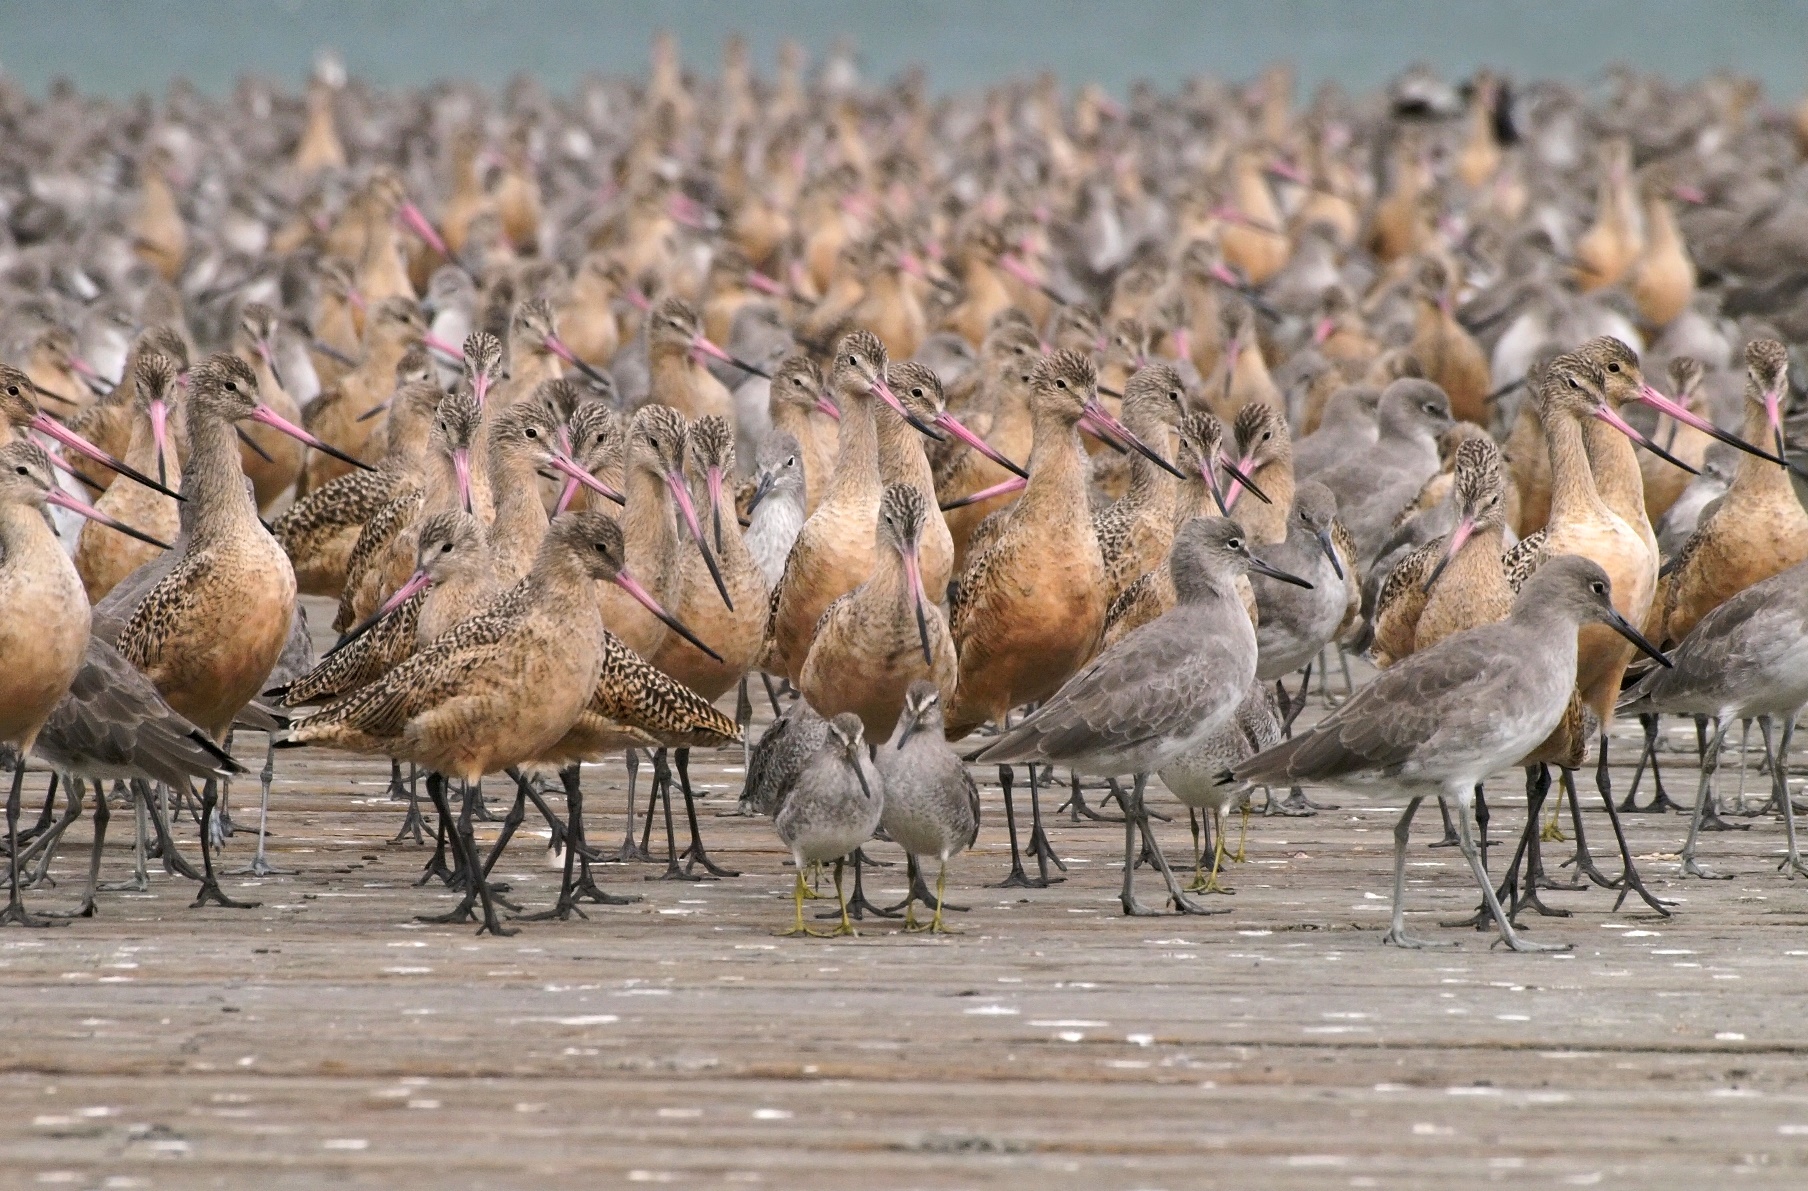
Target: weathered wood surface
[328, 1039]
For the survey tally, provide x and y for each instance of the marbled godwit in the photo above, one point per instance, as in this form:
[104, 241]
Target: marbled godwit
[503, 688]
[1664, 482]
[1241, 377]
[735, 628]
[800, 407]
[598, 443]
[1747, 658]
[1265, 458]
[1373, 485]
[44, 632]
[931, 803]
[834, 550]
[876, 640]
[159, 236]
[1448, 353]
[1160, 692]
[270, 458]
[833, 808]
[996, 405]
[337, 415]
[321, 529]
[1663, 276]
[212, 628]
[1135, 531]
[676, 346]
[1447, 717]
[104, 557]
[1759, 528]
[1608, 248]
[20, 417]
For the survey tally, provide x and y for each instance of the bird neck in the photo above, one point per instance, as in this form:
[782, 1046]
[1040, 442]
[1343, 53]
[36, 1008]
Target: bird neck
[520, 515]
[1573, 493]
[1615, 465]
[857, 453]
[215, 479]
[1059, 470]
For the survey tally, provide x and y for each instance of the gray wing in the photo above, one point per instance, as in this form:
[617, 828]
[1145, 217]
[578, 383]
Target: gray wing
[1157, 680]
[1405, 709]
[1732, 646]
[114, 720]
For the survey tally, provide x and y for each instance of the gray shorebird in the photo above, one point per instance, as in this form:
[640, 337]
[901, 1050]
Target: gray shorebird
[931, 803]
[1746, 659]
[1446, 718]
[834, 807]
[1160, 692]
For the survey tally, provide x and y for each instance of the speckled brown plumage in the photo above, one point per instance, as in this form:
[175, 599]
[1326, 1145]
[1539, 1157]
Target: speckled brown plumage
[1135, 531]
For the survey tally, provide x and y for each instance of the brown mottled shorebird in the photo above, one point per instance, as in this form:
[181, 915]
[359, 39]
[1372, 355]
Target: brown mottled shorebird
[1265, 456]
[271, 459]
[20, 417]
[800, 406]
[876, 640]
[1136, 530]
[44, 632]
[501, 689]
[1157, 694]
[1449, 716]
[212, 628]
[337, 416]
[103, 557]
[321, 529]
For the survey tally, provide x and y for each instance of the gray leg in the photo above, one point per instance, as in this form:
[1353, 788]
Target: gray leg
[1127, 896]
[210, 887]
[1396, 932]
[102, 813]
[15, 914]
[1710, 764]
[1182, 902]
[1779, 778]
[259, 866]
[1508, 935]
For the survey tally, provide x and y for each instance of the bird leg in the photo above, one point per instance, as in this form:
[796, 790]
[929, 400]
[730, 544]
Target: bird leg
[628, 851]
[662, 786]
[1297, 805]
[1630, 881]
[14, 914]
[210, 887]
[397, 790]
[476, 807]
[1508, 935]
[1182, 903]
[941, 883]
[1077, 803]
[919, 892]
[102, 813]
[797, 898]
[1710, 763]
[436, 864]
[743, 718]
[1127, 896]
[1396, 931]
[1779, 778]
[1450, 839]
[1538, 787]
[260, 867]
[1017, 879]
[49, 841]
[466, 844]
[45, 816]
[1583, 859]
[1711, 819]
[659, 789]
[858, 904]
[1243, 830]
[1039, 847]
[413, 821]
[558, 831]
[173, 861]
[1481, 822]
[771, 695]
[845, 927]
[139, 795]
[1662, 802]
[694, 852]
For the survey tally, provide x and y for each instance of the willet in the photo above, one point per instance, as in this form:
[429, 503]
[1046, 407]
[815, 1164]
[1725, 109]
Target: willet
[1747, 658]
[931, 803]
[1449, 716]
[1158, 693]
[776, 510]
[1195, 777]
[834, 807]
[1373, 485]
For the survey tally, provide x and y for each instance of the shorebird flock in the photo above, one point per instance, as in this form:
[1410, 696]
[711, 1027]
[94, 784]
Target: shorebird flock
[1030, 428]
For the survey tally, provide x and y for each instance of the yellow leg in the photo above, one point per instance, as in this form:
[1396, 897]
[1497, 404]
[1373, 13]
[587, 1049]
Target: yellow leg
[847, 926]
[1243, 833]
[815, 876]
[1198, 854]
[910, 916]
[798, 893]
[1211, 882]
[1552, 832]
[941, 883]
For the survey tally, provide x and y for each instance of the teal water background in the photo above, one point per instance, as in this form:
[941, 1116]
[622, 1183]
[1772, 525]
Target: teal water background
[120, 47]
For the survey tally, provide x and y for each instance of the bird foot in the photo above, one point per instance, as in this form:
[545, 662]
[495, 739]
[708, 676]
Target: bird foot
[211, 892]
[1792, 865]
[135, 885]
[85, 910]
[15, 914]
[1663, 804]
[436, 867]
[1692, 869]
[1449, 841]
[1586, 871]
[1399, 938]
[1019, 879]
[1630, 883]
[1185, 905]
[562, 912]
[1712, 820]
[259, 867]
[1044, 852]
[1204, 884]
[1532, 901]
[586, 889]
[859, 907]
[696, 855]
[630, 852]
[1286, 808]
[1518, 944]
[1135, 909]
[1552, 834]
[806, 932]
[1297, 801]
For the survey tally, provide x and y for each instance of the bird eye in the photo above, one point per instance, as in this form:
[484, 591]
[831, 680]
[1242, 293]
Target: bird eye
[854, 360]
[1235, 543]
[1268, 434]
[446, 549]
[232, 385]
[791, 461]
[531, 432]
[1573, 384]
[24, 471]
[1613, 368]
[13, 390]
[1598, 587]
[1061, 384]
